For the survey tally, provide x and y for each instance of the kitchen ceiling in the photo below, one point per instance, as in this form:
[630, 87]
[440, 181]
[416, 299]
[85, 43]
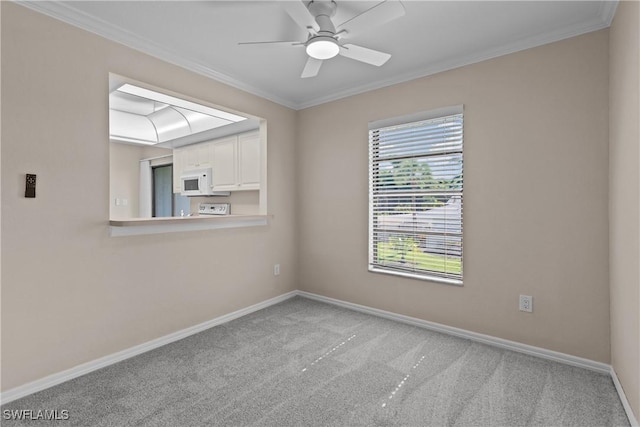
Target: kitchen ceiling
[432, 36]
[142, 116]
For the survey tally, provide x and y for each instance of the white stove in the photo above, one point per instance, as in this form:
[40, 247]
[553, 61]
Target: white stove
[214, 209]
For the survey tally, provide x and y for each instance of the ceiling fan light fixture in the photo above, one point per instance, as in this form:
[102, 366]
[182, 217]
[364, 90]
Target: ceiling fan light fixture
[323, 47]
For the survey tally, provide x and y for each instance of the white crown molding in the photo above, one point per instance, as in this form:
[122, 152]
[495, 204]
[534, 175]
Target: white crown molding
[85, 368]
[66, 13]
[623, 398]
[462, 60]
[72, 16]
[608, 11]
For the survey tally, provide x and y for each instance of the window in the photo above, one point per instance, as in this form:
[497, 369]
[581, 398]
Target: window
[415, 195]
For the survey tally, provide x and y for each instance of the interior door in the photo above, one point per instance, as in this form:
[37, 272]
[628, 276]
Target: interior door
[162, 191]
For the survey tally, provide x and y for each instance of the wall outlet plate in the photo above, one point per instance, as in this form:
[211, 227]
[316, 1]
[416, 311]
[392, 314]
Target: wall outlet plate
[526, 303]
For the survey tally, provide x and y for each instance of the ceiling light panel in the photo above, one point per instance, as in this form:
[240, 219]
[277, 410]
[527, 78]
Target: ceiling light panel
[169, 124]
[132, 104]
[144, 116]
[202, 122]
[177, 102]
[132, 127]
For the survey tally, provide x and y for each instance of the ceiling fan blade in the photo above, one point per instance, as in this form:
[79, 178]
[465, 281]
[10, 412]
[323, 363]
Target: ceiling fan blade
[364, 54]
[298, 11]
[284, 43]
[311, 68]
[381, 13]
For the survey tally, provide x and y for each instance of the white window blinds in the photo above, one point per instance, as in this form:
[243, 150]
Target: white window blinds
[415, 197]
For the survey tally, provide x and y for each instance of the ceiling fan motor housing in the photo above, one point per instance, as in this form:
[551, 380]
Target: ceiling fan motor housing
[323, 11]
[323, 44]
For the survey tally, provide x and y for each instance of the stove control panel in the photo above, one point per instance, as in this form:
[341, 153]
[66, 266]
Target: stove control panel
[214, 209]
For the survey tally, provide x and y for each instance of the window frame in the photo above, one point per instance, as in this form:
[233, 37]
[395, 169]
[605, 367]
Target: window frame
[428, 275]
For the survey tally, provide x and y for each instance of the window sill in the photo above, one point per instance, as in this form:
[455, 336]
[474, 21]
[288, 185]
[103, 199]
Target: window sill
[437, 279]
[139, 226]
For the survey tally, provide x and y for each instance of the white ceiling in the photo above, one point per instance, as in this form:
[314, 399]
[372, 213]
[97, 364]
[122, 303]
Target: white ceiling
[433, 36]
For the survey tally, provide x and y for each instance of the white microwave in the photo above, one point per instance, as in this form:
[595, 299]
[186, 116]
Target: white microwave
[198, 182]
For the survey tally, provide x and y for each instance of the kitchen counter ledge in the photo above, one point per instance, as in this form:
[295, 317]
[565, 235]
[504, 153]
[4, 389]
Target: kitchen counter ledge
[137, 226]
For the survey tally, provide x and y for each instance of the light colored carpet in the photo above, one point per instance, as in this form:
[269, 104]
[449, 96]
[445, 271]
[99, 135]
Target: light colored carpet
[302, 362]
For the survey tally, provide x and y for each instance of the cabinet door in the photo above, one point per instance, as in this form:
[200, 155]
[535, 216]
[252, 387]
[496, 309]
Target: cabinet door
[197, 156]
[203, 154]
[249, 161]
[191, 158]
[224, 164]
[179, 164]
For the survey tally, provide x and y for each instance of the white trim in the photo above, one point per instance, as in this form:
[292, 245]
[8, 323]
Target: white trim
[530, 350]
[66, 13]
[417, 117]
[435, 279]
[608, 11]
[623, 398]
[542, 353]
[461, 61]
[85, 368]
[136, 230]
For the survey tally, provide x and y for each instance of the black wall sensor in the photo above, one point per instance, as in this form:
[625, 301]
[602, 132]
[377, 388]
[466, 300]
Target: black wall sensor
[30, 190]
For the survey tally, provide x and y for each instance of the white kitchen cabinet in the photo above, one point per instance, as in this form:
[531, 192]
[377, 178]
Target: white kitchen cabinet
[179, 164]
[249, 161]
[224, 163]
[196, 156]
[235, 162]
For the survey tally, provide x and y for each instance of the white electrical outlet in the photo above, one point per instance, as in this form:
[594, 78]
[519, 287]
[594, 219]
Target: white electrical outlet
[276, 270]
[526, 303]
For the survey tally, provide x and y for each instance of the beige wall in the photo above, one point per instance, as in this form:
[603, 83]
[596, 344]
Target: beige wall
[124, 176]
[535, 197]
[624, 205]
[69, 291]
[124, 182]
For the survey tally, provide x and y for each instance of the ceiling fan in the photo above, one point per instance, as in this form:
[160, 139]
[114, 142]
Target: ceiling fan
[325, 40]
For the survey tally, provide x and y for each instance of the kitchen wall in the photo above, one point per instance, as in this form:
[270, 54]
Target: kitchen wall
[535, 197]
[124, 183]
[71, 292]
[124, 173]
[624, 201]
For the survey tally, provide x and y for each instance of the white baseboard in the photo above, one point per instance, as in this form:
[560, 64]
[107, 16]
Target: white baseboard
[489, 340]
[473, 336]
[85, 368]
[623, 398]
